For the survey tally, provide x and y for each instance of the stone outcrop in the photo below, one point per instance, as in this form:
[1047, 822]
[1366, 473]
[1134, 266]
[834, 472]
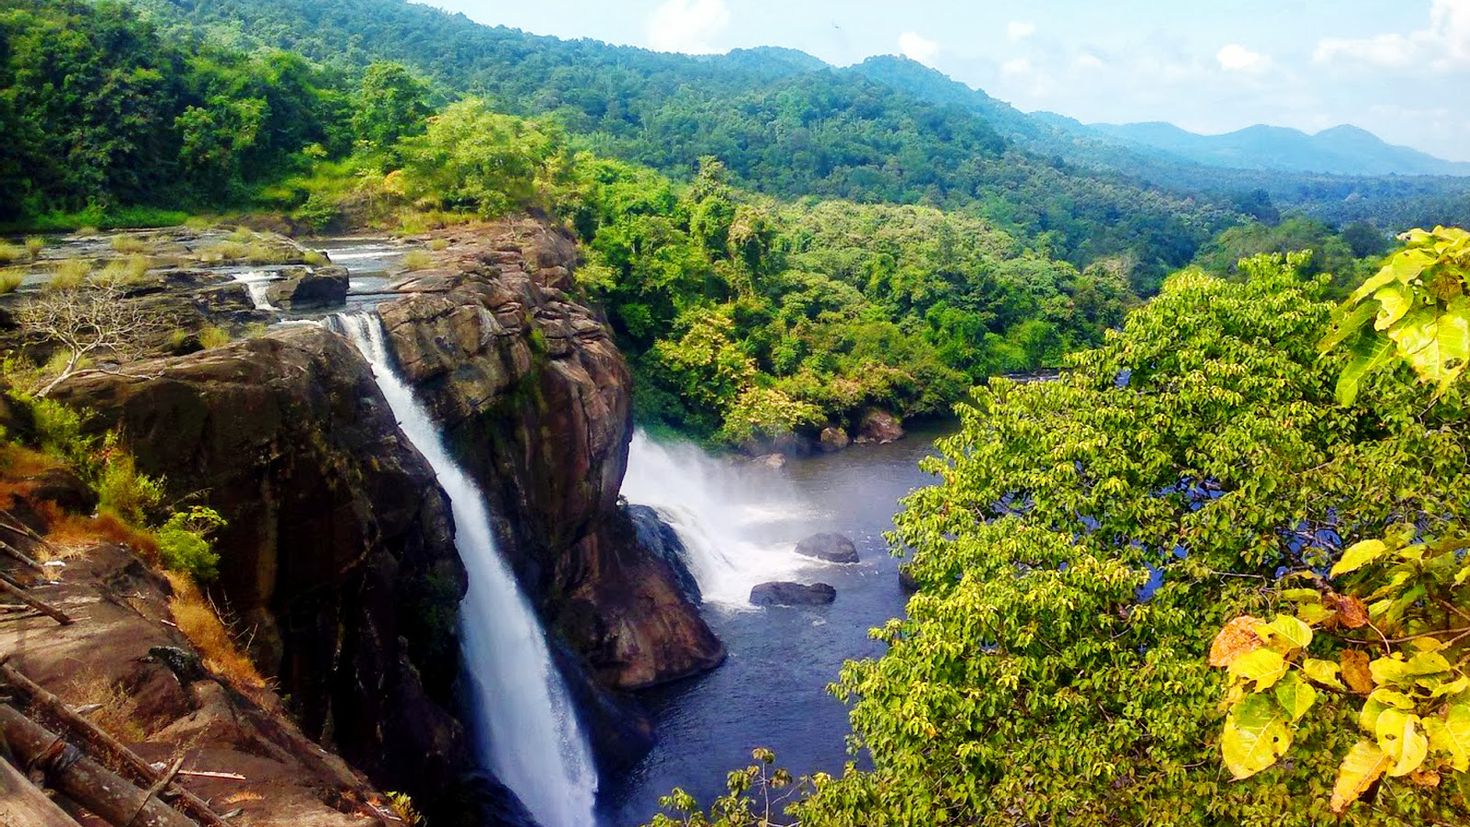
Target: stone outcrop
[309, 288]
[833, 438]
[659, 537]
[879, 426]
[536, 402]
[785, 593]
[338, 553]
[834, 548]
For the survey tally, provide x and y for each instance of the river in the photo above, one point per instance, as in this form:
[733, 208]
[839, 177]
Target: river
[772, 692]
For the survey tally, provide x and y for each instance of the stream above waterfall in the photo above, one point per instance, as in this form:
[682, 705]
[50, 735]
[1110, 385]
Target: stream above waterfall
[771, 692]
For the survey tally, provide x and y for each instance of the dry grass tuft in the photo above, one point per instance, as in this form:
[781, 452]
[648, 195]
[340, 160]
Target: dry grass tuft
[200, 623]
[417, 259]
[10, 281]
[128, 244]
[74, 534]
[116, 711]
[69, 274]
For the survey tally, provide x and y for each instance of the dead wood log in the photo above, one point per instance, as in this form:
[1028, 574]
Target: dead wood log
[24, 804]
[20, 594]
[190, 803]
[83, 780]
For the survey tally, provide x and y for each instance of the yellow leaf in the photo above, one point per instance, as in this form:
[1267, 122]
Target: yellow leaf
[1255, 736]
[1451, 736]
[1295, 695]
[1285, 633]
[1264, 666]
[1365, 763]
[1323, 672]
[1400, 739]
[1359, 555]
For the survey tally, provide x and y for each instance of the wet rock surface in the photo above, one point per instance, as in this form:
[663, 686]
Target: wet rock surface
[785, 593]
[834, 548]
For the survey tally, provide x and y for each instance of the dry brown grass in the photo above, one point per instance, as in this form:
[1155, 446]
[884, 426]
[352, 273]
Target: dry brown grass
[74, 534]
[243, 796]
[200, 623]
[129, 244]
[116, 712]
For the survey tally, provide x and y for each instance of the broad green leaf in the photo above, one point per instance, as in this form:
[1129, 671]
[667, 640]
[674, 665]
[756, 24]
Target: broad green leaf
[1365, 763]
[1399, 737]
[1349, 324]
[1295, 695]
[1369, 353]
[1323, 672]
[1264, 666]
[1285, 633]
[1359, 555]
[1255, 736]
[1313, 612]
[1451, 736]
[1368, 715]
[1301, 595]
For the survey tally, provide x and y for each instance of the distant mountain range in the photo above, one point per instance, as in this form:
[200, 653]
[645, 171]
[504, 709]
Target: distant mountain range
[1341, 150]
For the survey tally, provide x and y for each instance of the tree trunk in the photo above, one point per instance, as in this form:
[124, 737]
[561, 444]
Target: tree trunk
[23, 804]
[83, 780]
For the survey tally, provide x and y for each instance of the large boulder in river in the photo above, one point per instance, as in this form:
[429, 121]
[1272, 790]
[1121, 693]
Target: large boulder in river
[309, 288]
[535, 399]
[834, 548]
[338, 553]
[879, 426]
[785, 593]
[833, 438]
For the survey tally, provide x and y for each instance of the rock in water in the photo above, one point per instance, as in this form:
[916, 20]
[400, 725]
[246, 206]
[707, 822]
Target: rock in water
[834, 438]
[307, 288]
[834, 548]
[879, 426]
[783, 593]
[657, 536]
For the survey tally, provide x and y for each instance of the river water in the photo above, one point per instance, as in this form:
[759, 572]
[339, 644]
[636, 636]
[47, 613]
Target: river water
[741, 523]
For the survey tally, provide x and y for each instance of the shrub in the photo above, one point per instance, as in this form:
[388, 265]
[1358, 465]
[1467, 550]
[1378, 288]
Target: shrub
[417, 260]
[123, 490]
[316, 258]
[317, 213]
[213, 336]
[130, 270]
[184, 543]
[9, 252]
[116, 709]
[58, 430]
[69, 274]
[11, 281]
[129, 244]
[34, 245]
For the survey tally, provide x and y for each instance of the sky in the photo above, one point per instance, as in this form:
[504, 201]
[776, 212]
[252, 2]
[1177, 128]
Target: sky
[1399, 68]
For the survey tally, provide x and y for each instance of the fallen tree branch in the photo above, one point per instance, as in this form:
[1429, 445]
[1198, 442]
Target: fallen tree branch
[190, 803]
[20, 594]
[23, 803]
[82, 779]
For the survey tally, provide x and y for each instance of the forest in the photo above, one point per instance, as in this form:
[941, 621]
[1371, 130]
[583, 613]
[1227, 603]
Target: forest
[1213, 573]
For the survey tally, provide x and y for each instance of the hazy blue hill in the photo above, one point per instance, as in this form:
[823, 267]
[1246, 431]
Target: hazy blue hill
[1341, 150]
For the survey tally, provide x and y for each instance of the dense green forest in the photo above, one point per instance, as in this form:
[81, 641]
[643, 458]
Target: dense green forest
[782, 122]
[746, 317]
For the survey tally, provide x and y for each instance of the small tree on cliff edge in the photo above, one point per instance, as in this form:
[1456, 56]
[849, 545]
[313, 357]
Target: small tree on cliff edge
[87, 322]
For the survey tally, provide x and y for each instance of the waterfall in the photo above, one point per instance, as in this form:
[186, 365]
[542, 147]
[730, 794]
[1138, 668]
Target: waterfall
[739, 523]
[256, 281]
[525, 725]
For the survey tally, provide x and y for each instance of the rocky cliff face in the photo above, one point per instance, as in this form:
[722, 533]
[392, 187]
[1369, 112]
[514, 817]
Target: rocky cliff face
[536, 399]
[339, 552]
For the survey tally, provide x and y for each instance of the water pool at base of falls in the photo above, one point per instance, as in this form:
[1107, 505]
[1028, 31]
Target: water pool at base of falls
[741, 523]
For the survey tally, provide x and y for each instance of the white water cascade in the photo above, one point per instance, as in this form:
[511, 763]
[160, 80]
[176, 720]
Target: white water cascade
[739, 524]
[526, 726]
[256, 281]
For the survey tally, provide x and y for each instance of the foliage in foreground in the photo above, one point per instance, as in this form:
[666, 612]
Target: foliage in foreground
[1089, 537]
[1394, 609]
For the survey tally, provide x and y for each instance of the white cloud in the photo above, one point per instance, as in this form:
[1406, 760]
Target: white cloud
[1443, 46]
[1088, 61]
[917, 47]
[1019, 67]
[1234, 57]
[687, 25]
[1018, 30]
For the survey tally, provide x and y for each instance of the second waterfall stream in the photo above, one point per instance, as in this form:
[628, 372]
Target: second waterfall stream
[525, 726]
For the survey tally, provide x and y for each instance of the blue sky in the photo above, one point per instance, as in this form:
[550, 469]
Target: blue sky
[1400, 68]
